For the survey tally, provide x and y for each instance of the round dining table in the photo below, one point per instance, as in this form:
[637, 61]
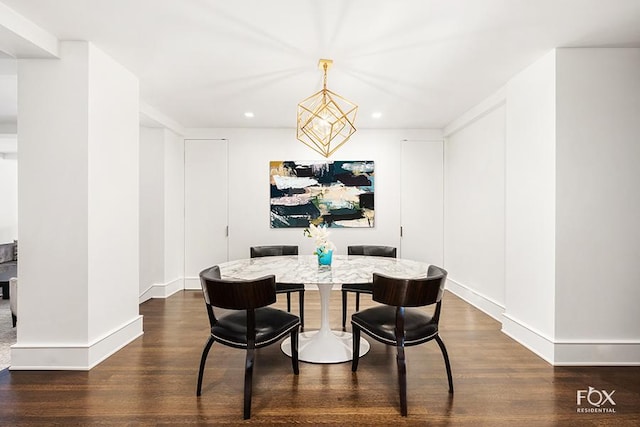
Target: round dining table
[323, 345]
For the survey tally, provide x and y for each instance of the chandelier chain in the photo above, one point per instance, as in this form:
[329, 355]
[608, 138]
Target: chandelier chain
[324, 80]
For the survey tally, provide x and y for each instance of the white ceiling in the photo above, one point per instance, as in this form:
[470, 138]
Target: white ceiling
[421, 63]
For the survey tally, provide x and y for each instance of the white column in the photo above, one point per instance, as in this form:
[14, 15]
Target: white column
[173, 212]
[598, 206]
[151, 212]
[530, 207]
[161, 213]
[78, 209]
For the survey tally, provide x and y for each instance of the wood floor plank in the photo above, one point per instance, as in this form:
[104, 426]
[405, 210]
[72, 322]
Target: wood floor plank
[152, 381]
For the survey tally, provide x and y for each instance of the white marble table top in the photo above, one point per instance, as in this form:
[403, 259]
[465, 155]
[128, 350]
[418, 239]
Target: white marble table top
[305, 269]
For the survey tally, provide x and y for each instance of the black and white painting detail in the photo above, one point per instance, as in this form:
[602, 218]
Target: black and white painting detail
[333, 193]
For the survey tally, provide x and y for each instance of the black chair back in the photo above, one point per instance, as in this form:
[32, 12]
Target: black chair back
[261, 251]
[362, 288]
[410, 292]
[393, 324]
[372, 250]
[286, 288]
[237, 295]
[250, 324]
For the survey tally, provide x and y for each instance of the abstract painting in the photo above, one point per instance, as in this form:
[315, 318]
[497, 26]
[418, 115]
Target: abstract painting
[333, 193]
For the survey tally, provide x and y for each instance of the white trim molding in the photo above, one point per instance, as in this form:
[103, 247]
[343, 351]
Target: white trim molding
[482, 109]
[151, 117]
[74, 356]
[24, 39]
[476, 299]
[529, 337]
[597, 353]
[573, 352]
[162, 290]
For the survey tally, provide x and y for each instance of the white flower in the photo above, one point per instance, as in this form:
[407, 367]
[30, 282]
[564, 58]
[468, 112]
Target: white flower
[321, 235]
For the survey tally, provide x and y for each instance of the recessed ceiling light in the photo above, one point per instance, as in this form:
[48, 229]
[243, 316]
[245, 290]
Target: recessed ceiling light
[376, 115]
[249, 114]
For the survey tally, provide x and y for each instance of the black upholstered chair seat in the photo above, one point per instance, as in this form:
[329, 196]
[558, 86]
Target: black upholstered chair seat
[289, 287]
[247, 323]
[363, 288]
[283, 288]
[380, 322]
[399, 322]
[271, 325]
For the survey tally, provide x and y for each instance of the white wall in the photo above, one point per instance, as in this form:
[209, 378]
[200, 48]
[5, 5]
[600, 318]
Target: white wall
[78, 210]
[173, 212]
[249, 156]
[530, 206]
[161, 213]
[474, 208]
[152, 199]
[571, 200]
[8, 156]
[598, 205]
[422, 201]
[113, 199]
[8, 192]
[53, 179]
[250, 151]
[206, 207]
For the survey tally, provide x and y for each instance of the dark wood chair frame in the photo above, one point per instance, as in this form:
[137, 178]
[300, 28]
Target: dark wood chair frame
[283, 288]
[362, 288]
[402, 293]
[249, 295]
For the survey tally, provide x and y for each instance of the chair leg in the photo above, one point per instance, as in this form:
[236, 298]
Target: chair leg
[356, 347]
[294, 351]
[301, 301]
[289, 302]
[14, 320]
[446, 361]
[344, 310]
[248, 381]
[357, 301]
[203, 360]
[402, 379]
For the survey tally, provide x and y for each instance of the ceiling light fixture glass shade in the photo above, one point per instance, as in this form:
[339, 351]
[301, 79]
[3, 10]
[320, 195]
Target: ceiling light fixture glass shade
[325, 119]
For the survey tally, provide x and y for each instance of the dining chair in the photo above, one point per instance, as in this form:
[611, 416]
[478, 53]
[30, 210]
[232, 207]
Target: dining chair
[13, 300]
[362, 288]
[283, 288]
[393, 324]
[249, 324]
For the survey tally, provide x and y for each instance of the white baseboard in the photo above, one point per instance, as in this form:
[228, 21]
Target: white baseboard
[605, 353]
[74, 357]
[532, 339]
[573, 352]
[476, 299]
[555, 352]
[162, 290]
[524, 335]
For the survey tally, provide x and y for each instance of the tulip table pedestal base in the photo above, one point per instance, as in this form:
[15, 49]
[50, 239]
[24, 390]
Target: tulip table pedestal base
[325, 345]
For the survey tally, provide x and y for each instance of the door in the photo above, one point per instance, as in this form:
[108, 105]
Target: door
[205, 207]
[422, 201]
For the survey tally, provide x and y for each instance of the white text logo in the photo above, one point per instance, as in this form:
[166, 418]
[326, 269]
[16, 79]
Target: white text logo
[599, 400]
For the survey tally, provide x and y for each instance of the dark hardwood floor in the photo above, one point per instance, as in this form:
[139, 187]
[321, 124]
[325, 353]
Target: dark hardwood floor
[152, 381]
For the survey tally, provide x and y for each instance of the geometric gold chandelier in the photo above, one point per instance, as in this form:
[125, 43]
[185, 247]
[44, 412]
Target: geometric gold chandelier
[325, 119]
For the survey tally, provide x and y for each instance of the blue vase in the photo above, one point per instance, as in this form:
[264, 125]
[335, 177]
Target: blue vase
[324, 258]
